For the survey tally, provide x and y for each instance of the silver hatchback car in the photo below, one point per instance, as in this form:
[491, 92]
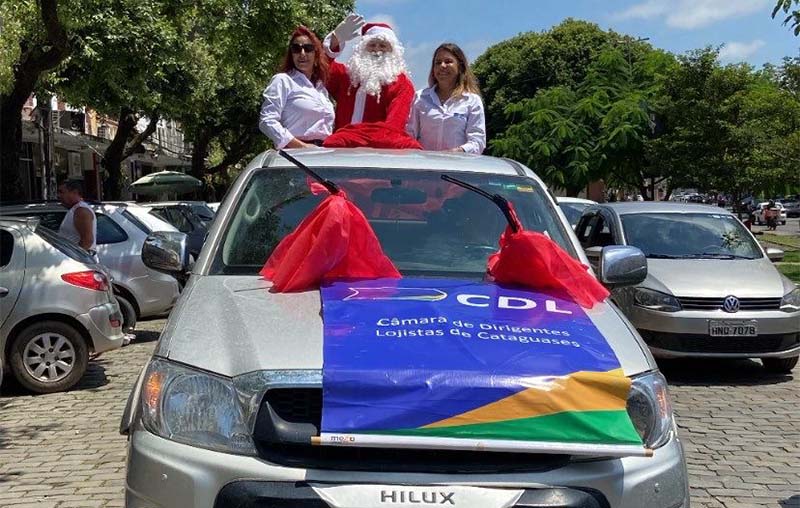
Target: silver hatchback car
[711, 289]
[56, 307]
[121, 232]
[226, 411]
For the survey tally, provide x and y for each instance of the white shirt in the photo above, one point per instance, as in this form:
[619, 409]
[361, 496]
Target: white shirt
[459, 122]
[293, 107]
[70, 232]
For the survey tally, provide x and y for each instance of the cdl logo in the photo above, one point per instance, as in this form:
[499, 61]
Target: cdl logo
[509, 302]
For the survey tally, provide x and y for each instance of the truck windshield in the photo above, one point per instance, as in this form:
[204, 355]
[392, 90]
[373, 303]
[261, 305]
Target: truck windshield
[428, 227]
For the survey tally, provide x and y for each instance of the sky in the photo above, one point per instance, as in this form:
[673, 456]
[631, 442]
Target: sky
[744, 28]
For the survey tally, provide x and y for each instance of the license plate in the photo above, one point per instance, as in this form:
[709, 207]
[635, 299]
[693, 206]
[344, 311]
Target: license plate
[733, 328]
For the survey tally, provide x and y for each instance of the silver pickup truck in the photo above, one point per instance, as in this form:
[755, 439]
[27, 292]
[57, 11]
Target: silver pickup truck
[223, 413]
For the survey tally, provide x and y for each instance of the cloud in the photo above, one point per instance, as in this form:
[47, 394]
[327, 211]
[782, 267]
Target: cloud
[690, 14]
[738, 51]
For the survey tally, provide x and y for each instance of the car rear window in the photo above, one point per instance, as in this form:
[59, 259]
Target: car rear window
[65, 246]
[427, 226]
[136, 222]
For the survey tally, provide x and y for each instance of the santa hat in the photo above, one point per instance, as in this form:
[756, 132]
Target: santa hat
[370, 30]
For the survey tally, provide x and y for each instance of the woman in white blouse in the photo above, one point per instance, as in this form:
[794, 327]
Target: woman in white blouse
[448, 115]
[296, 112]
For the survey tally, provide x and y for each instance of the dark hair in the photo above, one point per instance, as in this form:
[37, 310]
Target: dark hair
[320, 72]
[72, 184]
[466, 82]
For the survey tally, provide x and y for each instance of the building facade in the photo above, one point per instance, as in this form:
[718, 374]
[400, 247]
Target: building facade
[74, 141]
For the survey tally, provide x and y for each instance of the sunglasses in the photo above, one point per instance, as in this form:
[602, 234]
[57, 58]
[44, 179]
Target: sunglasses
[297, 48]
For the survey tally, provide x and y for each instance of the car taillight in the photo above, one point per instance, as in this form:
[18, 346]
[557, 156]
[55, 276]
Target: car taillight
[90, 279]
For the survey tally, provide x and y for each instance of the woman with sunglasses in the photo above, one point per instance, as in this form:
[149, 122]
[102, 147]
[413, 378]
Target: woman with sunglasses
[448, 115]
[296, 112]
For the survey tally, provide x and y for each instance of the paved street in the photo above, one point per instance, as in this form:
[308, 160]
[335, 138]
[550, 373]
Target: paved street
[741, 428]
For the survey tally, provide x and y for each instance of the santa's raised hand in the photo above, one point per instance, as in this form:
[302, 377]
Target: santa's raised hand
[348, 29]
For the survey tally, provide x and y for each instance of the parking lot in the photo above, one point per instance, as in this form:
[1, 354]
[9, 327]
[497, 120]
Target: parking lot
[741, 430]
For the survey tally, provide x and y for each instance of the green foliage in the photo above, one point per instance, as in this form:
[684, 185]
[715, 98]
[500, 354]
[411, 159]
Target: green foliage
[596, 129]
[727, 128]
[518, 68]
[792, 17]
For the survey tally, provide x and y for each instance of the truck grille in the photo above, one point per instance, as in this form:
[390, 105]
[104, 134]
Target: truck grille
[690, 303]
[288, 417]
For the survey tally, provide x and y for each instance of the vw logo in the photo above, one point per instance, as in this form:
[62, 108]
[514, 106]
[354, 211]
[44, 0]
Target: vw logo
[730, 304]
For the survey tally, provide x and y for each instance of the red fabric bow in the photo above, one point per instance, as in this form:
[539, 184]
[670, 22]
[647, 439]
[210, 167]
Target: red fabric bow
[335, 241]
[533, 260]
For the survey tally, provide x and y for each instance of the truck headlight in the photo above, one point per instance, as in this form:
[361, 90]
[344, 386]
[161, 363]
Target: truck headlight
[650, 410]
[791, 301]
[655, 300]
[195, 408]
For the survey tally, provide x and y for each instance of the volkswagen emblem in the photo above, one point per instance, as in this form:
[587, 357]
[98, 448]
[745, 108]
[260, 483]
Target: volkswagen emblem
[730, 304]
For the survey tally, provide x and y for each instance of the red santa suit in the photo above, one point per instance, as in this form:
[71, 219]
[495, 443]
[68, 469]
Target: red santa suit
[365, 119]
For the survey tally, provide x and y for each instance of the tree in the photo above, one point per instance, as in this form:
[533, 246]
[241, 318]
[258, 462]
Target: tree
[233, 57]
[792, 16]
[726, 128]
[34, 40]
[518, 68]
[597, 130]
[126, 64]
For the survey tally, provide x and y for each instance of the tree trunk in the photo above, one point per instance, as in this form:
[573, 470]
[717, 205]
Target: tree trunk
[120, 149]
[199, 154]
[114, 154]
[32, 64]
[10, 147]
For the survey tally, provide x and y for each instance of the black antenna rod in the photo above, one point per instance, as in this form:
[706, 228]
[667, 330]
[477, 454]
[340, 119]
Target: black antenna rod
[332, 187]
[497, 199]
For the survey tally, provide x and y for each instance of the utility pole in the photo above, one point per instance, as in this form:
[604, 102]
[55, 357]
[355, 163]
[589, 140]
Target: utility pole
[46, 145]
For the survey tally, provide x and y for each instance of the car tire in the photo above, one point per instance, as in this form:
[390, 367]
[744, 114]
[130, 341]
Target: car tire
[128, 314]
[780, 365]
[61, 340]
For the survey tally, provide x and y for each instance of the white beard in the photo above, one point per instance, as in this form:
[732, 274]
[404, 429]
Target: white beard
[371, 71]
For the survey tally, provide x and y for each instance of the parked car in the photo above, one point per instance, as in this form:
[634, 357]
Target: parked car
[762, 207]
[182, 216]
[711, 289]
[121, 232]
[56, 307]
[198, 419]
[792, 208]
[573, 208]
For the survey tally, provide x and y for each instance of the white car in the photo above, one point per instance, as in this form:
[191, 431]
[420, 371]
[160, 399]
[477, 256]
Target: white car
[573, 208]
[121, 232]
[762, 207]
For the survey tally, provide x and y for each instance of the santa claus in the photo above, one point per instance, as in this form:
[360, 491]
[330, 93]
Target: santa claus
[373, 92]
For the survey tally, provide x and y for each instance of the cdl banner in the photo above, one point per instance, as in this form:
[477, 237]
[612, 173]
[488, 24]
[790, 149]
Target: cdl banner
[444, 363]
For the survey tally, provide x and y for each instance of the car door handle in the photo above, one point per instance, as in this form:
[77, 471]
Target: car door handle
[3, 292]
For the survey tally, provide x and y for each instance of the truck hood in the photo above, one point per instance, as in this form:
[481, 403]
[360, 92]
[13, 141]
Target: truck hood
[232, 325]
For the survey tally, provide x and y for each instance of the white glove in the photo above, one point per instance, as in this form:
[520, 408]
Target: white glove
[349, 28]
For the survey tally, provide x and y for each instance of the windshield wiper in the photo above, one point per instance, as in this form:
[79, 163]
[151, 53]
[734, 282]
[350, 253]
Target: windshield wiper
[717, 255]
[662, 256]
[501, 202]
[332, 187]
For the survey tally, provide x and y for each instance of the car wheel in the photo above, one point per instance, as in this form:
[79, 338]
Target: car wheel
[48, 357]
[780, 365]
[128, 314]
